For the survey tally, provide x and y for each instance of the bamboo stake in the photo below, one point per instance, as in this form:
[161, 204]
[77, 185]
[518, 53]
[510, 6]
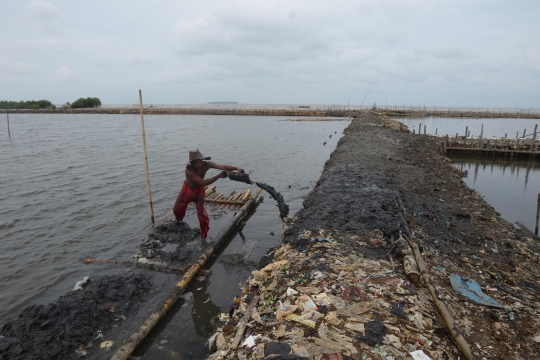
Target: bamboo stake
[227, 198]
[135, 339]
[537, 216]
[456, 334]
[146, 161]
[7, 113]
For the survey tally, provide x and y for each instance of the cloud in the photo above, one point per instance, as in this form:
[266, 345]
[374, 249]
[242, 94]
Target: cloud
[42, 13]
[66, 74]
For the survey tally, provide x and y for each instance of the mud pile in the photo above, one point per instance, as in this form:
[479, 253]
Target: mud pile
[172, 243]
[282, 206]
[76, 324]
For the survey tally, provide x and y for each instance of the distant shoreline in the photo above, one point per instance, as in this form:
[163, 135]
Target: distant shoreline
[290, 112]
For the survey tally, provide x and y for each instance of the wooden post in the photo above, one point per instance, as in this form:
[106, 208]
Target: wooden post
[424, 129]
[466, 130]
[524, 131]
[537, 216]
[7, 113]
[436, 131]
[146, 161]
[445, 144]
[455, 140]
[481, 136]
[534, 137]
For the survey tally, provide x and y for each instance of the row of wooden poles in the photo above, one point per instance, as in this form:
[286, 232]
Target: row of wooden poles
[519, 145]
[473, 113]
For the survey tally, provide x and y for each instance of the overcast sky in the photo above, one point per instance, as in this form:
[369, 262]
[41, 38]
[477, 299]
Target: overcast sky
[444, 53]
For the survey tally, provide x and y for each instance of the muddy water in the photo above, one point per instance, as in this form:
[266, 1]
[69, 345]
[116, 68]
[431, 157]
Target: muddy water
[511, 187]
[73, 186]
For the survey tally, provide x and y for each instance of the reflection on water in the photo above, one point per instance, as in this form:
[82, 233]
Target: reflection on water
[451, 126]
[511, 187]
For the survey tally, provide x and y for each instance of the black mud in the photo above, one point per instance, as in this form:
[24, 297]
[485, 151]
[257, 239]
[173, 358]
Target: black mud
[68, 327]
[241, 177]
[173, 243]
[283, 208]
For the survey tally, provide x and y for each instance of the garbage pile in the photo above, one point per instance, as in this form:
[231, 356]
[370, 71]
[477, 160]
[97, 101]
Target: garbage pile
[322, 299]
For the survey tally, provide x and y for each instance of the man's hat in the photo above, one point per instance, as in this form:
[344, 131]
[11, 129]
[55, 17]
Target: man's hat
[196, 155]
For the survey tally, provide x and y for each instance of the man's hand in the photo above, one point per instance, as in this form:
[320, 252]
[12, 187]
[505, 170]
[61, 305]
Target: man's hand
[223, 174]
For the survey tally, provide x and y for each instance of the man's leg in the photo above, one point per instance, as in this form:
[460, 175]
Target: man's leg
[180, 206]
[204, 220]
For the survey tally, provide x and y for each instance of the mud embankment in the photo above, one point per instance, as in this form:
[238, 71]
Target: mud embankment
[380, 181]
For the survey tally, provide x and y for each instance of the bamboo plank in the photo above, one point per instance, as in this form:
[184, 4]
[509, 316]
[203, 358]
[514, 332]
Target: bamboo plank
[243, 323]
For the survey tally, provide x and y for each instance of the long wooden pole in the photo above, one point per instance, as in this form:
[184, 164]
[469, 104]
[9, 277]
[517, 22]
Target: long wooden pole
[537, 216]
[456, 334]
[7, 113]
[146, 161]
[135, 339]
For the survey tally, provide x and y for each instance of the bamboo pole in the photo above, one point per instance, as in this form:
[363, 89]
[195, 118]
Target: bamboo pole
[226, 202]
[456, 333]
[537, 216]
[210, 190]
[246, 195]
[146, 161]
[135, 339]
[7, 114]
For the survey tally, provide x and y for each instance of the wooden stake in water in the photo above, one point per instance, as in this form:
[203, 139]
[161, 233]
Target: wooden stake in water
[537, 216]
[146, 161]
[7, 113]
[466, 130]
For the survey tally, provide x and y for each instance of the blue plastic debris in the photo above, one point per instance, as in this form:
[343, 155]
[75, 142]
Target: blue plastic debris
[328, 239]
[472, 290]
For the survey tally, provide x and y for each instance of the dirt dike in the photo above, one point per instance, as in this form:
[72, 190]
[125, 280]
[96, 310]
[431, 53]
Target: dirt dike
[337, 288]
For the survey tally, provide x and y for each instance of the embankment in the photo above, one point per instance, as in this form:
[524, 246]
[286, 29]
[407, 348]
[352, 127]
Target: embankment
[378, 181]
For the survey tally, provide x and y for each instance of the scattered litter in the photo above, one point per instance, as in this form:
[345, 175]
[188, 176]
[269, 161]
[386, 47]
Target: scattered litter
[106, 344]
[471, 289]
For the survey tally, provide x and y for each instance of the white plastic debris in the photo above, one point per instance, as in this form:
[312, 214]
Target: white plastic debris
[79, 284]
[419, 355]
[249, 342]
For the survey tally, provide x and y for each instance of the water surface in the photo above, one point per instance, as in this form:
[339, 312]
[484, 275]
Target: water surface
[73, 186]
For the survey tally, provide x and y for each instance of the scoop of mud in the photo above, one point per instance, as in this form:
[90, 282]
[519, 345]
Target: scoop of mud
[283, 208]
[57, 330]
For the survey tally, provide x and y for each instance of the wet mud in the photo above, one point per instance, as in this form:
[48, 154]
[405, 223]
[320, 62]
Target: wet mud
[173, 243]
[282, 206]
[75, 324]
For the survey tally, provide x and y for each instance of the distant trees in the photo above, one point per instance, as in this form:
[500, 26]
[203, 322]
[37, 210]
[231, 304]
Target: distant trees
[31, 105]
[85, 103]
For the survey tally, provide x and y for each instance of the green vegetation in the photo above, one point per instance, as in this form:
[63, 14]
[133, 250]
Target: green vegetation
[31, 105]
[84, 103]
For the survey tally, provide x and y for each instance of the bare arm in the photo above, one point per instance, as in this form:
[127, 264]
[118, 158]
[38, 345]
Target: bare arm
[192, 175]
[213, 165]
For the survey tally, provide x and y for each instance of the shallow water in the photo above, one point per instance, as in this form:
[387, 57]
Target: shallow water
[511, 187]
[73, 186]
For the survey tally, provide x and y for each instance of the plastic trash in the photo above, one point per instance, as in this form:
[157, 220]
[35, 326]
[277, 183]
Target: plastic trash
[80, 284]
[249, 342]
[471, 289]
[419, 355]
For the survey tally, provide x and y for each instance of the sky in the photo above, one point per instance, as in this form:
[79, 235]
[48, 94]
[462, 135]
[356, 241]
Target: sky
[482, 53]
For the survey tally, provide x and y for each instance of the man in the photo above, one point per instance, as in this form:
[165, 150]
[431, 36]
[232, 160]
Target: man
[193, 189]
